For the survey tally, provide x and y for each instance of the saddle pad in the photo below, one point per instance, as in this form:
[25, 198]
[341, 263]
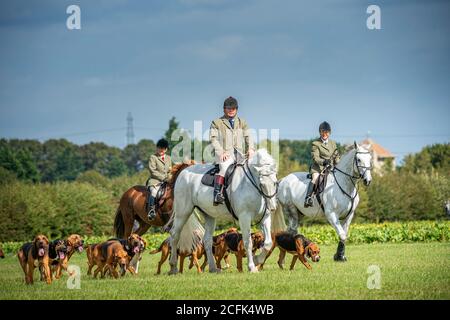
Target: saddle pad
[208, 177]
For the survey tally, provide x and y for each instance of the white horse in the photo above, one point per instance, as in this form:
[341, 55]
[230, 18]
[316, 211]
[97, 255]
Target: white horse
[339, 198]
[252, 195]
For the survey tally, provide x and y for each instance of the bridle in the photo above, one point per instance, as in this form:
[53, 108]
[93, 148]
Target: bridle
[353, 179]
[251, 178]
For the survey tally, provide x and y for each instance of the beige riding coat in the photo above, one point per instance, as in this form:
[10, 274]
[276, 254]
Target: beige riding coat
[159, 169]
[321, 151]
[225, 139]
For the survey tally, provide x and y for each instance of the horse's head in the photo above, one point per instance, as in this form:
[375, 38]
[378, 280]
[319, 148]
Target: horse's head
[363, 163]
[265, 168]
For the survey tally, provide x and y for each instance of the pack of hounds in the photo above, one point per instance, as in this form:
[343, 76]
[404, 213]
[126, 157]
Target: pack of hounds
[115, 257]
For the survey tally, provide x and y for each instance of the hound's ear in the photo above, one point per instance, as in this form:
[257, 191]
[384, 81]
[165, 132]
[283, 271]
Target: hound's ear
[355, 145]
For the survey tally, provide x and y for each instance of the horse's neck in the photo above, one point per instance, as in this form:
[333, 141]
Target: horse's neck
[346, 165]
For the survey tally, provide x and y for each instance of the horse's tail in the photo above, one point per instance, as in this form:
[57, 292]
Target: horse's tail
[119, 226]
[191, 234]
[278, 223]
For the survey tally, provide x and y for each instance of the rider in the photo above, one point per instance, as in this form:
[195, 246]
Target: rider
[228, 135]
[322, 152]
[159, 166]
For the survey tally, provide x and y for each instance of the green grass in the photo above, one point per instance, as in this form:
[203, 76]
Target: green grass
[408, 271]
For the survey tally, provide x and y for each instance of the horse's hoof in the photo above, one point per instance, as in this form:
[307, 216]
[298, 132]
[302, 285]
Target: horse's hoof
[173, 272]
[339, 258]
[215, 271]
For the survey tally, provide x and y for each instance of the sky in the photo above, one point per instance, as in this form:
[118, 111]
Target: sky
[291, 64]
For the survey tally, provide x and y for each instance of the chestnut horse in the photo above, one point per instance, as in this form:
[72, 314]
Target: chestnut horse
[133, 207]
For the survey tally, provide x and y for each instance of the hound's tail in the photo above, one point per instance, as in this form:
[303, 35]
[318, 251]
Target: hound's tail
[278, 223]
[160, 247]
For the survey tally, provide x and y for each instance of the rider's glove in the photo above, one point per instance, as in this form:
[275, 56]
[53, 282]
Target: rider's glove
[326, 162]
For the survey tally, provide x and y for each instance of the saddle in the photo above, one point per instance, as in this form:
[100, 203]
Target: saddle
[320, 185]
[208, 180]
[208, 177]
[321, 182]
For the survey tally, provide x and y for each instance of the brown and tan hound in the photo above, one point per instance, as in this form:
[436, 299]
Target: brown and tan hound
[107, 256]
[233, 242]
[298, 245]
[74, 243]
[36, 251]
[194, 254]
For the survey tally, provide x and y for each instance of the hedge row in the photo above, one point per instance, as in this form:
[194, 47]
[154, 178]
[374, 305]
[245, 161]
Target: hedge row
[391, 232]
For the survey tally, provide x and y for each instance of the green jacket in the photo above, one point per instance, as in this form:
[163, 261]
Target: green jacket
[225, 139]
[320, 152]
[159, 169]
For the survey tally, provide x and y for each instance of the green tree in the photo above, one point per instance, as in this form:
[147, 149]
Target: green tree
[173, 125]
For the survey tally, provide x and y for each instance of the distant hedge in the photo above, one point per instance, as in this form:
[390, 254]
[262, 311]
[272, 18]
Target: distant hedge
[54, 209]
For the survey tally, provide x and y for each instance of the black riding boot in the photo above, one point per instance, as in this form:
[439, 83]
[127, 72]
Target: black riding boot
[218, 190]
[308, 199]
[151, 207]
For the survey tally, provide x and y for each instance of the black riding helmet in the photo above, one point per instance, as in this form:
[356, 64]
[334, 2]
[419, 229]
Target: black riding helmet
[325, 126]
[162, 143]
[230, 102]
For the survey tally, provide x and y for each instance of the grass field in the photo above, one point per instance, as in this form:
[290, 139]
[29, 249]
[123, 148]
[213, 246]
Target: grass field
[408, 271]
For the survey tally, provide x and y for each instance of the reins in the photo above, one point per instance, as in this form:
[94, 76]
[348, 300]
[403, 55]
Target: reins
[353, 179]
[248, 173]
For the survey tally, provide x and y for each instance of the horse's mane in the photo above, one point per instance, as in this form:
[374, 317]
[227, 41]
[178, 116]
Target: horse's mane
[177, 168]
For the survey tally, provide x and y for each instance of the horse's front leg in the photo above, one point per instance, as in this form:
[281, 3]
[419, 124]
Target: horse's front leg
[333, 218]
[210, 226]
[244, 223]
[266, 226]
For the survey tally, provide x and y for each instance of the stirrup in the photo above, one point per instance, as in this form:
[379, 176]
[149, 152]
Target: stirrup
[151, 213]
[308, 202]
[218, 199]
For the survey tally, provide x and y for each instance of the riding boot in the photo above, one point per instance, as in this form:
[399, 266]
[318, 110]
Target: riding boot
[151, 207]
[218, 190]
[308, 199]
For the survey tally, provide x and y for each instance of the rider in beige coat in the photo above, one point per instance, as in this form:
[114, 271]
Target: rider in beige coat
[323, 154]
[228, 135]
[159, 166]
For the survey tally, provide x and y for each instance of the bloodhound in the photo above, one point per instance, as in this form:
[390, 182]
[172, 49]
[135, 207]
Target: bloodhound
[297, 245]
[107, 256]
[74, 243]
[233, 242]
[134, 245]
[36, 251]
[194, 254]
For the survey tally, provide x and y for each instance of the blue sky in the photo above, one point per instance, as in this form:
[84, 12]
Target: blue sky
[291, 64]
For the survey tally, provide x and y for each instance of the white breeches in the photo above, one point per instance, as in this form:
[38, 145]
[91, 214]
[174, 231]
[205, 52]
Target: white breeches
[315, 175]
[223, 166]
[154, 189]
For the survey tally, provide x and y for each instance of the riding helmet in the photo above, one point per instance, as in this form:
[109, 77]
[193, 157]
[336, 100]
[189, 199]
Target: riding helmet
[325, 126]
[162, 143]
[230, 102]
